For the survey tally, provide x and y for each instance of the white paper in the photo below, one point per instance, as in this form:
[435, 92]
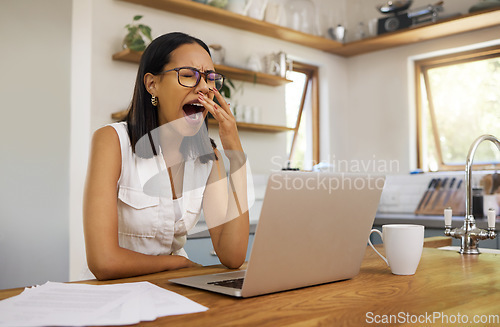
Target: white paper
[60, 304]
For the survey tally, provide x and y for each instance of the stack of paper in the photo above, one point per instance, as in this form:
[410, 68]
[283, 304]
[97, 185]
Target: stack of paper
[59, 304]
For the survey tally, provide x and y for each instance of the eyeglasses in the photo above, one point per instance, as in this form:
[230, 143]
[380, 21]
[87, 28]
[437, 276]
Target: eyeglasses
[190, 77]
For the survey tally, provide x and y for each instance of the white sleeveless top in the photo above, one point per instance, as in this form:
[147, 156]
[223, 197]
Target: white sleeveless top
[156, 224]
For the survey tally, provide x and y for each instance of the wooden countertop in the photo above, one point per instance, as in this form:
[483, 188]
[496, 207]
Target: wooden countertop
[429, 221]
[446, 283]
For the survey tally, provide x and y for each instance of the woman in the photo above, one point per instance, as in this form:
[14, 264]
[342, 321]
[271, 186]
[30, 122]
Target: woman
[148, 177]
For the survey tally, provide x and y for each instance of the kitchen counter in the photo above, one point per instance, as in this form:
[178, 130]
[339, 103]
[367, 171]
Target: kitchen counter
[434, 222]
[446, 287]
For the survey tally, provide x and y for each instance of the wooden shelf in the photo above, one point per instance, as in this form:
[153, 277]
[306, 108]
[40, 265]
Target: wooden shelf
[428, 31]
[228, 18]
[251, 76]
[256, 127]
[120, 115]
[230, 72]
[128, 56]
[423, 32]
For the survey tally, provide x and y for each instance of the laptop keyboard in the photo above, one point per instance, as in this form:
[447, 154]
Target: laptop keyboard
[233, 283]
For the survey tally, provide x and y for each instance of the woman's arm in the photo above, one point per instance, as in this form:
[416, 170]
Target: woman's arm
[226, 211]
[225, 201]
[105, 258]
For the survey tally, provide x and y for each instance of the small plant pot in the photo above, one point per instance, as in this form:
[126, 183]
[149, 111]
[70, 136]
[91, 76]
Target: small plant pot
[135, 42]
[138, 36]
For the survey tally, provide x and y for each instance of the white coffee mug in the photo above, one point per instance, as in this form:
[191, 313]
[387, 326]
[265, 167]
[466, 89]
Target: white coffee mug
[403, 247]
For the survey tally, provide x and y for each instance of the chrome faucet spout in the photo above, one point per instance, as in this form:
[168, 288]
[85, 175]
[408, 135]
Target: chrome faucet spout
[469, 234]
[468, 169]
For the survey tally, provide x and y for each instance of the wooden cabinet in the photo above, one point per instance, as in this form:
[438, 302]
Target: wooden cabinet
[423, 32]
[230, 72]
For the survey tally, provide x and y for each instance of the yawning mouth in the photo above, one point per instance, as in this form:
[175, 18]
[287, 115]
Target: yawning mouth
[193, 112]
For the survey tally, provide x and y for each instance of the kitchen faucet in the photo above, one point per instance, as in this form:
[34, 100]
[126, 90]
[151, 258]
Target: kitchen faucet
[469, 233]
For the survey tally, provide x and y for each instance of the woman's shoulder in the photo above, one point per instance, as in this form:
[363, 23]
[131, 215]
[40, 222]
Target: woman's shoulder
[111, 135]
[105, 137]
[110, 132]
[105, 151]
[119, 127]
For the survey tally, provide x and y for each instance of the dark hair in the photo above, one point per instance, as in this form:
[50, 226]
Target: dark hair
[142, 117]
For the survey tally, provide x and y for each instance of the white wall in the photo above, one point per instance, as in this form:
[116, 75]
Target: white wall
[34, 138]
[81, 47]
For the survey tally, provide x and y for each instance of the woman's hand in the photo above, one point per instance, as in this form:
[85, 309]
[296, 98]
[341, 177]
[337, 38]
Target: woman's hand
[226, 211]
[228, 132]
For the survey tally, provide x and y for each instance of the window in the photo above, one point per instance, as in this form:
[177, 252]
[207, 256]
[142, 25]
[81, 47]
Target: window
[302, 113]
[458, 99]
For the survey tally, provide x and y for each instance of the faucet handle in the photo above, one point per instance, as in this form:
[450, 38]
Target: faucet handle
[492, 215]
[447, 216]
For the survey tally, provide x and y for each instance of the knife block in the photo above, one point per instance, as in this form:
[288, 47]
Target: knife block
[433, 202]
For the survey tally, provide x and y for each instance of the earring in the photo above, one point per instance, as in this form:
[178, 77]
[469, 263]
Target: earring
[154, 100]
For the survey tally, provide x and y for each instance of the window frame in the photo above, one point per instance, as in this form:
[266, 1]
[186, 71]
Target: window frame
[312, 80]
[421, 69]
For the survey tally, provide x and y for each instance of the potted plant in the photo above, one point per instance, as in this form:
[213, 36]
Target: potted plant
[138, 36]
[226, 88]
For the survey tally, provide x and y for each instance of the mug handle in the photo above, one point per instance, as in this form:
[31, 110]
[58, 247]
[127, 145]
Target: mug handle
[370, 242]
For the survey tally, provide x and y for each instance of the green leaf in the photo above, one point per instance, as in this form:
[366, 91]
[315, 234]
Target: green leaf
[230, 82]
[226, 87]
[132, 29]
[137, 44]
[146, 30]
[225, 90]
[137, 17]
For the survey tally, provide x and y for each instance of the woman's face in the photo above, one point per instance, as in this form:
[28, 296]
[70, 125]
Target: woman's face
[178, 105]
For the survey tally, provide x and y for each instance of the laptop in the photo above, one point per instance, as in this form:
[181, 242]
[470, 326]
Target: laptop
[313, 229]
